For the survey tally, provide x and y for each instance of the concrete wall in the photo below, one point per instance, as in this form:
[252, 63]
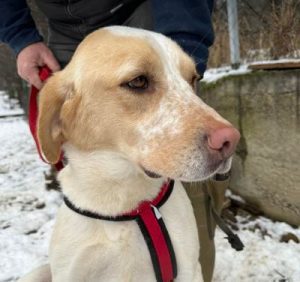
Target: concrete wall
[265, 107]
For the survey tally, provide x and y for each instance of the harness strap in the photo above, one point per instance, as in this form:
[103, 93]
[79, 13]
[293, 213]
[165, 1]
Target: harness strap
[159, 244]
[44, 73]
[153, 228]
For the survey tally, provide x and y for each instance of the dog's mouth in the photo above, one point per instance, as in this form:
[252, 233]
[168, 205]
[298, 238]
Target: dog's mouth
[150, 173]
[224, 166]
[220, 167]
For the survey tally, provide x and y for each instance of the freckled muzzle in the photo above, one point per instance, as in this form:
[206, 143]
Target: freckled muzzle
[199, 166]
[193, 161]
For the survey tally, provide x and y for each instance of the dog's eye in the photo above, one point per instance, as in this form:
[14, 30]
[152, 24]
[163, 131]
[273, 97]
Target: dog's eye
[139, 83]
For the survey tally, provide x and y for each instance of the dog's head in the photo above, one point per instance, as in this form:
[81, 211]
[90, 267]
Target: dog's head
[132, 92]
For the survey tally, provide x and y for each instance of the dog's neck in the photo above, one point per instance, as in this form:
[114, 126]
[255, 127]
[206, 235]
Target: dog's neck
[105, 182]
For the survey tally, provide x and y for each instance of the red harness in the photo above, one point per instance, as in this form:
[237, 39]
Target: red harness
[146, 214]
[153, 229]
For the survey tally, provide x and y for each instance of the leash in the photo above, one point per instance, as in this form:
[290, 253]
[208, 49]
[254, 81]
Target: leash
[153, 228]
[233, 239]
[44, 73]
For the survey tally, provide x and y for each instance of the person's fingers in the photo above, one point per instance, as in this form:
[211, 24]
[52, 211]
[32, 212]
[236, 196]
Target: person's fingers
[30, 73]
[21, 68]
[34, 78]
[50, 61]
[31, 58]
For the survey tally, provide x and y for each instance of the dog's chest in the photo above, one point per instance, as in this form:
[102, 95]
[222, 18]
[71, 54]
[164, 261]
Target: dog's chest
[116, 251]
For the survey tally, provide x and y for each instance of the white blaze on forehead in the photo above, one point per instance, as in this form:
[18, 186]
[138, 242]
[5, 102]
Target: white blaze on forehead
[167, 50]
[178, 90]
[179, 95]
[125, 68]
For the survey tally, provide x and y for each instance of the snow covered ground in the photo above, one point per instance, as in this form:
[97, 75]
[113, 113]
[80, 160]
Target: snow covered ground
[27, 211]
[8, 106]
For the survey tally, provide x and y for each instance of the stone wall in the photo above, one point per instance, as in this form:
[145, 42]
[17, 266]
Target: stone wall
[265, 107]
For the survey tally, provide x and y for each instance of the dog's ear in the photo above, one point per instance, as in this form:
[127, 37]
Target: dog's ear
[49, 130]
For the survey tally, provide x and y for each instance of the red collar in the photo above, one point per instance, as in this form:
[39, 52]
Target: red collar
[44, 73]
[153, 229]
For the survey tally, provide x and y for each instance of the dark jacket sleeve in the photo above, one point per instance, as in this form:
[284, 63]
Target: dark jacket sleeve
[17, 28]
[189, 24]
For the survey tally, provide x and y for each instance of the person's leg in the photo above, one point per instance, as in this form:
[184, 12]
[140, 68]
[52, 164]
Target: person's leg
[199, 199]
[204, 196]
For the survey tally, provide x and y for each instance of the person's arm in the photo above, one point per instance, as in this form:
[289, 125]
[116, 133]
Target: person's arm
[189, 24]
[18, 30]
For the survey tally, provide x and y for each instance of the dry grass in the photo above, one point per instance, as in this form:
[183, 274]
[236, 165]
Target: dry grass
[271, 32]
[219, 52]
[285, 28]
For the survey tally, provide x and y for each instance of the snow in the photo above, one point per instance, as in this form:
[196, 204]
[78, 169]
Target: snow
[9, 106]
[264, 258]
[25, 226]
[230, 195]
[27, 213]
[279, 61]
[213, 75]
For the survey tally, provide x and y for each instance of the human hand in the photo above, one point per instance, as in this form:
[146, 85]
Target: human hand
[31, 58]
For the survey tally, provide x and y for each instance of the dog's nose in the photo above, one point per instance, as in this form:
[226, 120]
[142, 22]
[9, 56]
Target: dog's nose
[223, 140]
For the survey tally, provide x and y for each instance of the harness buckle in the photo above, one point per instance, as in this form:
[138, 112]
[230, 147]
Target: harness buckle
[156, 212]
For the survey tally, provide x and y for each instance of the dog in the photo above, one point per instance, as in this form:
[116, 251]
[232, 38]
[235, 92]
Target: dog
[126, 113]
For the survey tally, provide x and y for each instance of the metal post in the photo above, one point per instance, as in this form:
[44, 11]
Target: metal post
[233, 33]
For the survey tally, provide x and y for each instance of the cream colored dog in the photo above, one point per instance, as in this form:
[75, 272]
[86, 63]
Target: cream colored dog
[126, 112]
